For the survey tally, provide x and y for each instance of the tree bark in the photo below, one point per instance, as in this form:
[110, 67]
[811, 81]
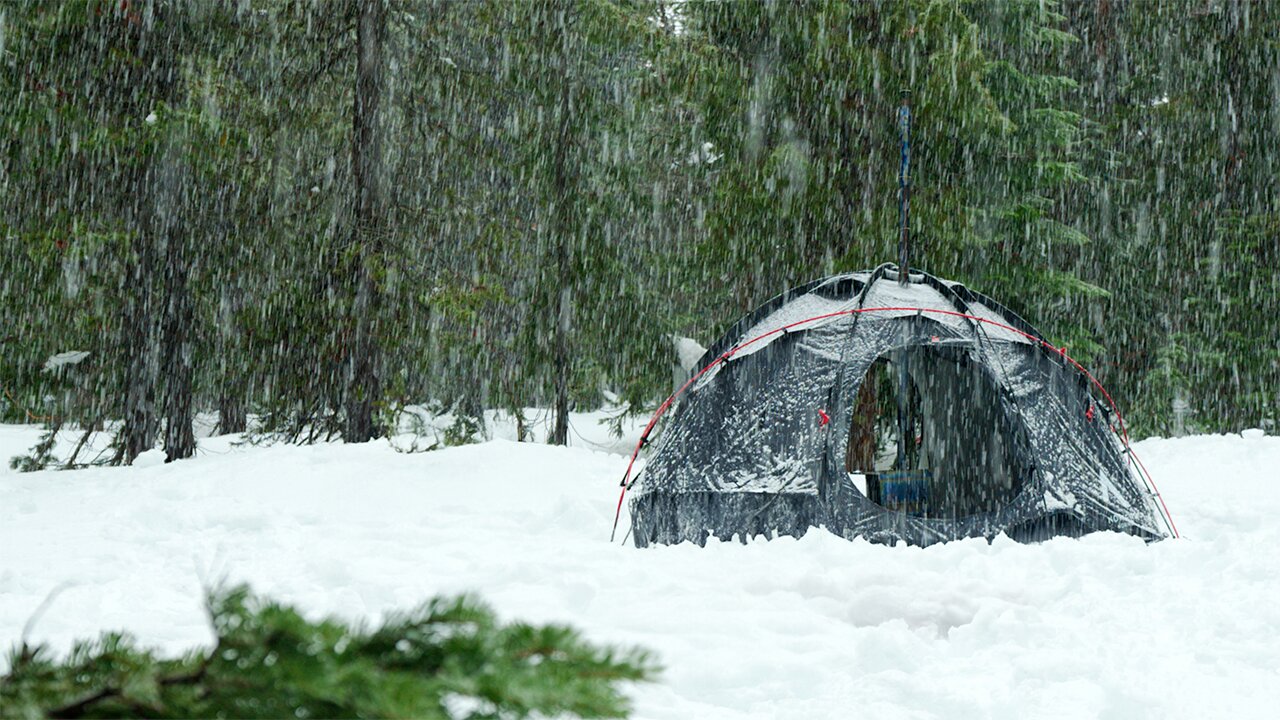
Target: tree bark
[232, 413]
[1230, 48]
[363, 387]
[563, 229]
[232, 417]
[177, 352]
[147, 215]
[138, 431]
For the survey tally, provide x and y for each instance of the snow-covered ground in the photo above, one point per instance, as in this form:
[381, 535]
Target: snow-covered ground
[813, 628]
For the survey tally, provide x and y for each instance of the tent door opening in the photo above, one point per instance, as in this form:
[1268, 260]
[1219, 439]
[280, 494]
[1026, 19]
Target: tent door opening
[929, 435]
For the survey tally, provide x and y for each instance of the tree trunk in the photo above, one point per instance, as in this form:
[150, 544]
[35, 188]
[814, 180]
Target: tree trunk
[563, 229]
[232, 414]
[560, 433]
[177, 315]
[1230, 49]
[147, 214]
[363, 388]
[176, 353]
[232, 417]
[138, 431]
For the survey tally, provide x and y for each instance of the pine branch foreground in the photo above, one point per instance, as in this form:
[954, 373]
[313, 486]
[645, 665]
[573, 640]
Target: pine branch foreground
[451, 658]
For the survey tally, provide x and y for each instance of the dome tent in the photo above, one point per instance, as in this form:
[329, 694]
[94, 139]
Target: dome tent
[990, 428]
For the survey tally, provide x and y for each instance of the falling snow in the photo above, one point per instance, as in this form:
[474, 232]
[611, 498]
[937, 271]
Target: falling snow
[395, 246]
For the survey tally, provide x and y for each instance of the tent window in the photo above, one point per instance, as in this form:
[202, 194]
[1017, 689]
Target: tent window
[929, 436]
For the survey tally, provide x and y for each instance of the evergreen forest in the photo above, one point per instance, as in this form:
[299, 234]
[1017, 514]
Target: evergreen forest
[302, 216]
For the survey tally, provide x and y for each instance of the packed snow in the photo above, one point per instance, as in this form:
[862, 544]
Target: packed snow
[1104, 626]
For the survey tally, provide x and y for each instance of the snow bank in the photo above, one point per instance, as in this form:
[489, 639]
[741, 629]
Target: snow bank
[810, 628]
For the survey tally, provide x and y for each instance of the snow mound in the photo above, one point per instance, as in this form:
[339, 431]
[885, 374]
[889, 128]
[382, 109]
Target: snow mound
[810, 628]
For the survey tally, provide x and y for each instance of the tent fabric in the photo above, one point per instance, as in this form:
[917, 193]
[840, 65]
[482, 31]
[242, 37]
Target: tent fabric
[1016, 440]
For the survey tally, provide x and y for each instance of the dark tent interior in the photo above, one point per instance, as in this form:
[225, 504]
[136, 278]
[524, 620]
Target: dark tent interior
[964, 453]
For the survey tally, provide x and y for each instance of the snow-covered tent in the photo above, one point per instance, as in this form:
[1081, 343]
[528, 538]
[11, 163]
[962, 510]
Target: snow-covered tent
[795, 418]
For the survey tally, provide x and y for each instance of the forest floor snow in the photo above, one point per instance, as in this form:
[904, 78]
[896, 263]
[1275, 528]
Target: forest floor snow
[1104, 626]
